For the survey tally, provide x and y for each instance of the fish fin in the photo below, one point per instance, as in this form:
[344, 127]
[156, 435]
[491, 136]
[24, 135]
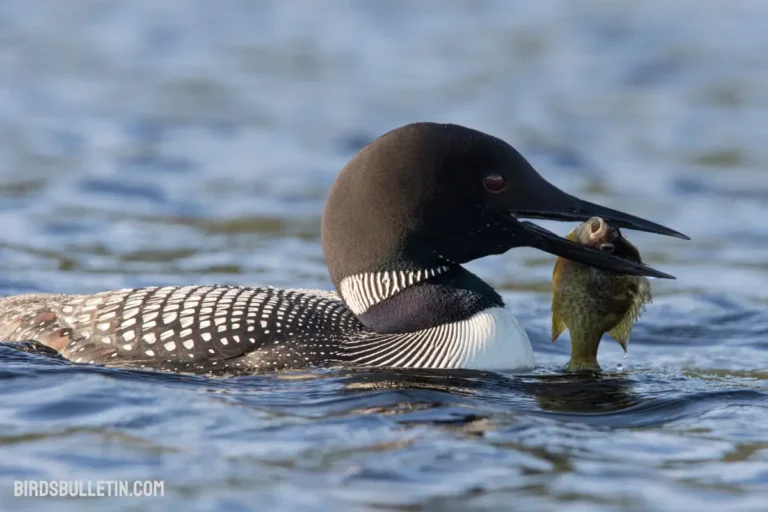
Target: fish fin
[558, 326]
[623, 329]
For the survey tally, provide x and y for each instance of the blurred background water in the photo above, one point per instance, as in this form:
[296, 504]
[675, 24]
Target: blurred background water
[191, 142]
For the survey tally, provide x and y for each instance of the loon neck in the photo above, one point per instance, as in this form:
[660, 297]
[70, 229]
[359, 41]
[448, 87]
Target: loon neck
[363, 291]
[399, 301]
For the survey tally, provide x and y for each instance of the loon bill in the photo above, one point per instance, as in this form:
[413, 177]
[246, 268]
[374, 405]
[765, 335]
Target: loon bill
[402, 217]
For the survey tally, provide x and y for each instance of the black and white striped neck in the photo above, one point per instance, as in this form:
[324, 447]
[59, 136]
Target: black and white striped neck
[362, 291]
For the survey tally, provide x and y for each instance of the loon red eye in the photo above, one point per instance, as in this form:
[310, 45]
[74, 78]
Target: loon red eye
[494, 182]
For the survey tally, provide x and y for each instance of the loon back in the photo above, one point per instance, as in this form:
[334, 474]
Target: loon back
[192, 328]
[402, 217]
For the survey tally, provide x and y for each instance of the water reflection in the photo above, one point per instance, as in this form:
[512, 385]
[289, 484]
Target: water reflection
[560, 393]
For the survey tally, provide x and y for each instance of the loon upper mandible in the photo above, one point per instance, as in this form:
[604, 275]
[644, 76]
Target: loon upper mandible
[402, 217]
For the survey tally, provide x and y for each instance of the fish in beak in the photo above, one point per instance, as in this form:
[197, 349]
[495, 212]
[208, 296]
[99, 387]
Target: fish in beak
[590, 302]
[536, 198]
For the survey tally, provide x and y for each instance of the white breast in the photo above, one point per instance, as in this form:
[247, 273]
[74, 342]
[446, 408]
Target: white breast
[493, 340]
[489, 340]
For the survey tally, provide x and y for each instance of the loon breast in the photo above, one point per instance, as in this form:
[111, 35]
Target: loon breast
[491, 339]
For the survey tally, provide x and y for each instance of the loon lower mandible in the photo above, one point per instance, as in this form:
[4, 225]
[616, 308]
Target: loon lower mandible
[402, 217]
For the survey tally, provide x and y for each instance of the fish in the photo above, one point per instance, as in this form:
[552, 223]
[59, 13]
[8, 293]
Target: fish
[590, 302]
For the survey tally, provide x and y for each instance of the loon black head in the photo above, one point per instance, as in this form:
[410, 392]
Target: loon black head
[428, 194]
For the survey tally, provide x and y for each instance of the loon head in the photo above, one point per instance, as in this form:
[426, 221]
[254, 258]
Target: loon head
[427, 194]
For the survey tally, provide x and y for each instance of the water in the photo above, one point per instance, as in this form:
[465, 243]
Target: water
[146, 143]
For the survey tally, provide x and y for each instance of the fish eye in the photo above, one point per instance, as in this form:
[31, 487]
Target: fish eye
[607, 247]
[494, 182]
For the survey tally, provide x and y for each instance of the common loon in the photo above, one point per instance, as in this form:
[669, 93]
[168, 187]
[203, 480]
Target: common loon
[402, 217]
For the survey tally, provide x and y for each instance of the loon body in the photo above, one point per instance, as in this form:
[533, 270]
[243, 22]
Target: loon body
[402, 217]
[201, 329]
